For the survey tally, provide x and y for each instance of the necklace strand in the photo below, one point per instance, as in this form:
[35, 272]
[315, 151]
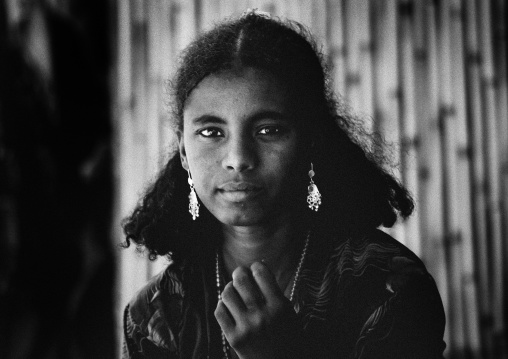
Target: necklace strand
[225, 344]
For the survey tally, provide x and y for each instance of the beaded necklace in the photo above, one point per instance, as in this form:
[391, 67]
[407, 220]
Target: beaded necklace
[225, 344]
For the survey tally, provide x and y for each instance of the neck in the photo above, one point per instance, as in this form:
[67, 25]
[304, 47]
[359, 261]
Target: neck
[277, 245]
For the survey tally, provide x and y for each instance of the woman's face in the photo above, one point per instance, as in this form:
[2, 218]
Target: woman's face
[239, 143]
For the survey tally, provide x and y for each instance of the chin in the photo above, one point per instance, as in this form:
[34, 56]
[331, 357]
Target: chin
[241, 220]
[247, 213]
[243, 217]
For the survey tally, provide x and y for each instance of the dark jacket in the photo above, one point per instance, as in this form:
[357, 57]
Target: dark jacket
[366, 297]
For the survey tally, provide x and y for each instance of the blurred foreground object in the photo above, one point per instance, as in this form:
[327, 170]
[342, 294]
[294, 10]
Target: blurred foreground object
[56, 273]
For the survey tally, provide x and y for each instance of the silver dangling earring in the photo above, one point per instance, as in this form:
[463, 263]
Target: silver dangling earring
[193, 199]
[314, 197]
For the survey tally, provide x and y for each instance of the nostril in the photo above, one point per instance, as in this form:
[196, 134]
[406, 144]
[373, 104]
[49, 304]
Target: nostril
[238, 167]
[239, 158]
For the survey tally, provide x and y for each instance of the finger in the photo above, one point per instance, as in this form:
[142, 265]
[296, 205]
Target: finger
[224, 317]
[233, 301]
[247, 288]
[266, 282]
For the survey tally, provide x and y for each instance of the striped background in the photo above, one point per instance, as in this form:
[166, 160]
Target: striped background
[428, 75]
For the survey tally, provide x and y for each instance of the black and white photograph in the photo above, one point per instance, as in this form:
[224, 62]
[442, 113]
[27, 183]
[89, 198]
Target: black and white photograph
[253, 179]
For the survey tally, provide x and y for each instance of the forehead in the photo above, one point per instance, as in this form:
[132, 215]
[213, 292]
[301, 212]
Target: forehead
[240, 90]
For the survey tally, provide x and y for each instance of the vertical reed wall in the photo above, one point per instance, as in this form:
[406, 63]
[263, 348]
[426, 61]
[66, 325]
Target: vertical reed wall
[431, 76]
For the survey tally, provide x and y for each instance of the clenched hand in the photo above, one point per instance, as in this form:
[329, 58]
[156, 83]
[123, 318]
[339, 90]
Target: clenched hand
[251, 311]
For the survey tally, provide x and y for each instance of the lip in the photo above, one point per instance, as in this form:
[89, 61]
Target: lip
[239, 191]
[239, 186]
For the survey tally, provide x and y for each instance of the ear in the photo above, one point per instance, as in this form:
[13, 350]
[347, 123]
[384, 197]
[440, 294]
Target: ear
[181, 149]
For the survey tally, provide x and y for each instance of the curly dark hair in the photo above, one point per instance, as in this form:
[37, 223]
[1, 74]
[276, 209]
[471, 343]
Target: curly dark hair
[358, 192]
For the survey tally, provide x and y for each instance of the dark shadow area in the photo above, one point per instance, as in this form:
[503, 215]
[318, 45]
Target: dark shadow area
[56, 262]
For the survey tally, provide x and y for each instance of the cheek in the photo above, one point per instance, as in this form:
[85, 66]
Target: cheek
[197, 157]
[284, 167]
[203, 167]
[285, 157]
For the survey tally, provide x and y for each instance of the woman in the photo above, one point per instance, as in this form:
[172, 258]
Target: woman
[279, 256]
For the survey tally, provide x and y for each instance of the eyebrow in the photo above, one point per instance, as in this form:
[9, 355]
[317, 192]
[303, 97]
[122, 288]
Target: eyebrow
[208, 119]
[271, 114]
[211, 119]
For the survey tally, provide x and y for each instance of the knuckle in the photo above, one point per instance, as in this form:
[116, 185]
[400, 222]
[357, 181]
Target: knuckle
[258, 269]
[219, 311]
[228, 287]
[240, 276]
[227, 293]
[240, 271]
[221, 307]
[222, 317]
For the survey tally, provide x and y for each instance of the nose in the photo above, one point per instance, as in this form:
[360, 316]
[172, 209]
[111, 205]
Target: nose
[240, 155]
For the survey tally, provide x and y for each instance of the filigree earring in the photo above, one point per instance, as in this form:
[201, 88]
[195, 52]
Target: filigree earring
[193, 199]
[314, 197]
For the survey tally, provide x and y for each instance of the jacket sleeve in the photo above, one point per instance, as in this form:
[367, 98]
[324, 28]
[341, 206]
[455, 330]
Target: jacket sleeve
[129, 348]
[410, 324]
[137, 344]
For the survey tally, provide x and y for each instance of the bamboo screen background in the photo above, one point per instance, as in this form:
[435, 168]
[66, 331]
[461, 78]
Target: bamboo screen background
[428, 75]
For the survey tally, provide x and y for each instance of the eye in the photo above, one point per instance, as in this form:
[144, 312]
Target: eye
[271, 131]
[210, 132]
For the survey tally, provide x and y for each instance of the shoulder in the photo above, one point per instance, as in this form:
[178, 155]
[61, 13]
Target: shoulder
[151, 318]
[374, 259]
[408, 312]
[360, 271]
[373, 293]
[373, 250]
[166, 283]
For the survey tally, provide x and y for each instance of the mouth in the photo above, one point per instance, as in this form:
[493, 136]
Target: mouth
[238, 186]
[239, 191]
